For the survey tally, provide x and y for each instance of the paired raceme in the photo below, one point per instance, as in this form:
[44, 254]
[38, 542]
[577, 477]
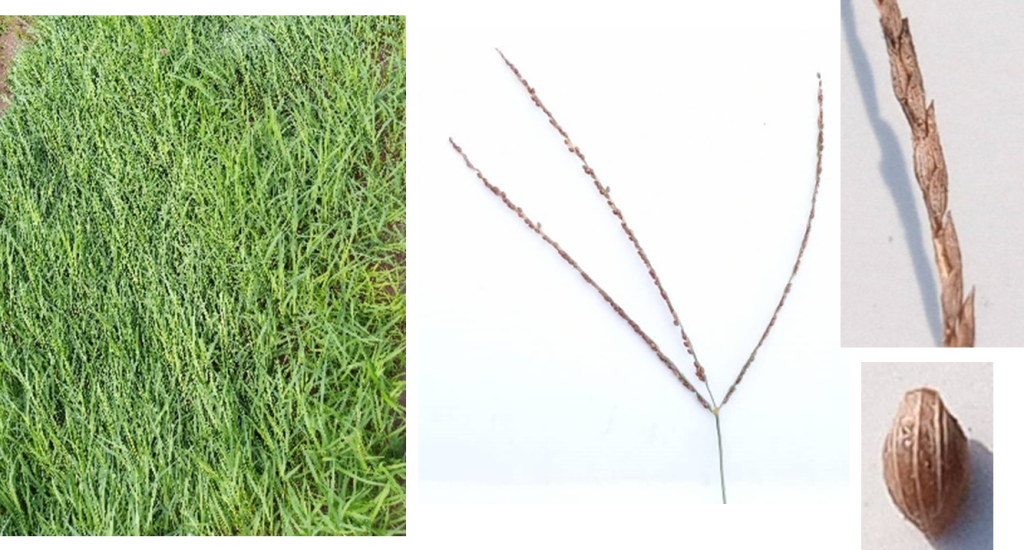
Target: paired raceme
[605, 192]
[930, 171]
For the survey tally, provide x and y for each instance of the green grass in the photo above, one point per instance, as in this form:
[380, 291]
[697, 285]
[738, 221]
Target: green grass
[8, 21]
[202, 310]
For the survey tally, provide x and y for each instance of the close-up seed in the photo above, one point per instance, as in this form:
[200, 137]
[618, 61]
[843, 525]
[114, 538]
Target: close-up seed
[925, 462]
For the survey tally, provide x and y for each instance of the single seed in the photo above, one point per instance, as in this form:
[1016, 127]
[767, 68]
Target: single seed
[925, 462]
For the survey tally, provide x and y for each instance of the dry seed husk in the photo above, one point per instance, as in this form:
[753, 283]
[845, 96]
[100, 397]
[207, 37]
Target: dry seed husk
[925, 462]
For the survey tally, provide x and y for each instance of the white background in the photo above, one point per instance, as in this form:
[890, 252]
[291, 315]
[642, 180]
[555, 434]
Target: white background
[966, 390]
[528, 385]
[970, 55]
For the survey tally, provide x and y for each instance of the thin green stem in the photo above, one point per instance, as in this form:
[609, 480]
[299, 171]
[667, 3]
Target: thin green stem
[721, 467]
[714, 404]
[718, 427]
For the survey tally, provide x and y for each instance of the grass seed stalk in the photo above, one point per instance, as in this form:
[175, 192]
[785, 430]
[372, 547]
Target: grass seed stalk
[709, 403]
[930, 171]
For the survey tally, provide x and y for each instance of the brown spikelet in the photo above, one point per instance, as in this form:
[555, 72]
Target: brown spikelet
[930, 171]
[965, 325]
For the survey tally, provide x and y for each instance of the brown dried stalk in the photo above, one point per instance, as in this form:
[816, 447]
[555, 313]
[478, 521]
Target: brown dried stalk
[569, 259]
[713, 407]
[799, 256]
[930, 171]
[606, 193]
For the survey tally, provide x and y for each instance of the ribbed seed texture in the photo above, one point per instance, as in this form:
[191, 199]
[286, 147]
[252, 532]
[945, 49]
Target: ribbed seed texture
[925, 462]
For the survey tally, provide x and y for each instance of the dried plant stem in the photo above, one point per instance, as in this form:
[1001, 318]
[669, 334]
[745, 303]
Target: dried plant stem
[799, 255]
[569, 259]
[930, 171]
[606, 193]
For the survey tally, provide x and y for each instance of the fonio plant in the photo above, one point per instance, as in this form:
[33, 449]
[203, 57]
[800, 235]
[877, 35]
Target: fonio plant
[713, 407]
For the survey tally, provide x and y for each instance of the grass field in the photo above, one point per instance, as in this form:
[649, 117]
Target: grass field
[202, 302]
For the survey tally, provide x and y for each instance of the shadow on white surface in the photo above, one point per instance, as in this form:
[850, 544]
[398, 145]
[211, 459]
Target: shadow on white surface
[973, 528]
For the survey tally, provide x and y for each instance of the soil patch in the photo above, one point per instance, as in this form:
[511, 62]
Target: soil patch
[15, 32]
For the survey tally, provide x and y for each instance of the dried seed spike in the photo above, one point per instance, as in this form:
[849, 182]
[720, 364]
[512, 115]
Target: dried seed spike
[586, 277]
[925, 462]
[605, 191]
[929, 167]
[799, 255]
